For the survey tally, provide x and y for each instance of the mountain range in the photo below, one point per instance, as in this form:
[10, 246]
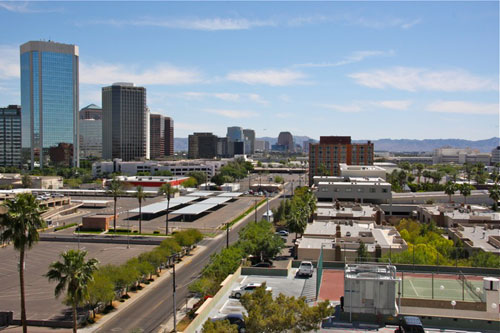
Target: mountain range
[391, 145]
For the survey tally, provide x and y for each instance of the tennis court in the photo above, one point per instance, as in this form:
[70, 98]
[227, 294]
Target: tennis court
[442, 286]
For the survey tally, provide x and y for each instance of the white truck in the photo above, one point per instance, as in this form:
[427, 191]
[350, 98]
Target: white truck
[306, 268]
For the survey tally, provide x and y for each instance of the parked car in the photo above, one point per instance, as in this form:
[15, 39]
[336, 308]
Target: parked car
[263, 264]
[306, 268]
[234, 319]
[248, 288]
[283, 233]
[410, 324]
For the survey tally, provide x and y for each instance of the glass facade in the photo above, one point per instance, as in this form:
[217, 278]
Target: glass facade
[49, 98]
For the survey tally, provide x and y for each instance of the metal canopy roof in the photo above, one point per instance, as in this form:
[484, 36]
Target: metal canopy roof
[230, 194]
[194, 209]
[162, 205]
[200, 194]
[215, 200]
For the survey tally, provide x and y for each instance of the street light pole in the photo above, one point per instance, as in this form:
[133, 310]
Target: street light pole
[256, 210]
[227, 235]
[173, 289]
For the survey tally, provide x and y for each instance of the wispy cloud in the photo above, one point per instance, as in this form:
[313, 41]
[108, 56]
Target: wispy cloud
[228, 97]
[9, 62]
[202, 24]
[464, 107]
[235, 114]
[25, 8]
[359, 106]
[271, 77]
[160, 74]
[415, 79]
[381, 23]
[352, 58]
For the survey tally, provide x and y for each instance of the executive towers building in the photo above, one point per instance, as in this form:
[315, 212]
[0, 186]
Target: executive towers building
[49, 99]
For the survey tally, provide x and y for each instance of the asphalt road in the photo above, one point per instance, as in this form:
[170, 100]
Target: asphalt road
[149, 312]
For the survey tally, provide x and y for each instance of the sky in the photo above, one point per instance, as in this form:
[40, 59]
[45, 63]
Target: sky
[371, 70]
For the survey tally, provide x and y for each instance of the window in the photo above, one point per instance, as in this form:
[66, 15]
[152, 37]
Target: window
[348, 189]
[360, 190]
[384, 190]
[372, 190]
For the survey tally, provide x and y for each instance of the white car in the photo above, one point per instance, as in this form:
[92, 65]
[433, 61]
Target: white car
[282, 233]
[306, 268]
[248, 288]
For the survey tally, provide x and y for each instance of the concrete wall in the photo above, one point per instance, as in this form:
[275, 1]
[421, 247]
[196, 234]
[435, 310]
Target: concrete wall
[443, 304]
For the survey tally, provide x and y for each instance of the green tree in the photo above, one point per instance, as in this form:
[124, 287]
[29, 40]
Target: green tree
[73, 275]
[450, 189]
[420, 167]
[219, 326]
[199, 176]
[494, 195]
[115, 190]
[323, 171]
[165, 173]
[26, 181]
[20, 226]
[101, 290]
[282, 314]
[362, 252]
[168, 190]
[258, 239]
[279, 180]
[190, 182]
[465, 190]
[141, 196]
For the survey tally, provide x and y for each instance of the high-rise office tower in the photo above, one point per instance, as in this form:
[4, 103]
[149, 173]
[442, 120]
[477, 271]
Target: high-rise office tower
[90, 125]
[169, 136]
[10, 136]
[202, 145]
[249, 138]
[325, 156]
[156, 136]
[235, 133]
[49, 98]
[125, 122]
[285, 139]
[91, 111]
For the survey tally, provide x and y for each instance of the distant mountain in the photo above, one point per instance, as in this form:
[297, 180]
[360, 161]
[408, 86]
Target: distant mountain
[392, 145]
[428, 145]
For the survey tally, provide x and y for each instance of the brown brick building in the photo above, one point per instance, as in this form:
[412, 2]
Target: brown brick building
[156, 136]
[169, 136]
[325, 156]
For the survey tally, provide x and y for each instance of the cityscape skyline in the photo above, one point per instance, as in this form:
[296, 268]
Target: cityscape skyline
[282, 67]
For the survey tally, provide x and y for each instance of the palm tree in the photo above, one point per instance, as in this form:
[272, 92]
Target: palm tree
[169, 191]
[73, 274]
[140, 195]
[465, 190]
[20, 226]
[495, 195]
[419, 167]
[450, 188]
[114, 190]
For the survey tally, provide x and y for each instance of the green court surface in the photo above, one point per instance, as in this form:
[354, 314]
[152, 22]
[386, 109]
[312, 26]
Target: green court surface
[444, 288]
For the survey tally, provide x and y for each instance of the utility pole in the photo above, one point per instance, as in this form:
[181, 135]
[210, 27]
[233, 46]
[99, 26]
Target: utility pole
[173, 288]
[227, 235]
[256, 210]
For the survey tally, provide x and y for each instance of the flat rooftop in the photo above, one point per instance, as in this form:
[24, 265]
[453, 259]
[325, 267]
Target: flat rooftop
[358, 211]
[479, 237]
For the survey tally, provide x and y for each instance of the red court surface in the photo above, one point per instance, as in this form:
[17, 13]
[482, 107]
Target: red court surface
[332, 285]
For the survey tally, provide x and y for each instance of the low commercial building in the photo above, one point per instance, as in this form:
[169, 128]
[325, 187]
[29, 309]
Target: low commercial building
[477, 238]
[14, 180]
[96, 222]
[150, 183]
[460, 156]
[373, 190]
[362, 171]
[348, 210]
[177, 168]
[495, 156]
[450, 215]
[340, 240]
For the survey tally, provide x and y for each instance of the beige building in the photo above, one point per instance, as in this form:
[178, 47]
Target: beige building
[14, 180]
[449, 215]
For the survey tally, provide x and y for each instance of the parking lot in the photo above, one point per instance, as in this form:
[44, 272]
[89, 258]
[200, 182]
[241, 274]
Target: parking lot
[40, 300]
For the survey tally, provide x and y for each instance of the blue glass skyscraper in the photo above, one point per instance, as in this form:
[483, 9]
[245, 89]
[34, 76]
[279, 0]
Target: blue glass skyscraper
[49, 98]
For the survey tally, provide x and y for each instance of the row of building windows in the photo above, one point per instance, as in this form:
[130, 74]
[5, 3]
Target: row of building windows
[349, 189]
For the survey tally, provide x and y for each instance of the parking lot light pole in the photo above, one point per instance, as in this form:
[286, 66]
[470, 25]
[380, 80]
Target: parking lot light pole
[227, 235]
[256, 210]
[173, 295]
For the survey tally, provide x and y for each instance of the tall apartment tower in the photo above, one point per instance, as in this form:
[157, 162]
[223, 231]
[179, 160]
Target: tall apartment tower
[49, 98]
[10, 136]
[125, 122]
[169, 136]
[156, 136]
[325, 156]
[249, 135]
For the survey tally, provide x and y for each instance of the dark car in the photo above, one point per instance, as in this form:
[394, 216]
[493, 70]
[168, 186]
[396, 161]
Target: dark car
[234, 319]
[410, 324]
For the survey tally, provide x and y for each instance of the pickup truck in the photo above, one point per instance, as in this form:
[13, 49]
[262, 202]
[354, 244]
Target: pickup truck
[306, 268]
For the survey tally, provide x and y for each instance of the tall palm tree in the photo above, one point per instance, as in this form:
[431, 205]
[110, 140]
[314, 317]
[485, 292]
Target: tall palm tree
[140, 195]
[169, 191]
[450, 188]
[114, 190]
[495, 195]
[20, 226]
[73, 274]
[419, 167]
[465, 190]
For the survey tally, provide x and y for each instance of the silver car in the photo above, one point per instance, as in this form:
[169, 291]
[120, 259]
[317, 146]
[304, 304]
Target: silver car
[248, 288]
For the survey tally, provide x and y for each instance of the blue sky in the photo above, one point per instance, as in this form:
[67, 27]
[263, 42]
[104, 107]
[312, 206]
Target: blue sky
[366, 69]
